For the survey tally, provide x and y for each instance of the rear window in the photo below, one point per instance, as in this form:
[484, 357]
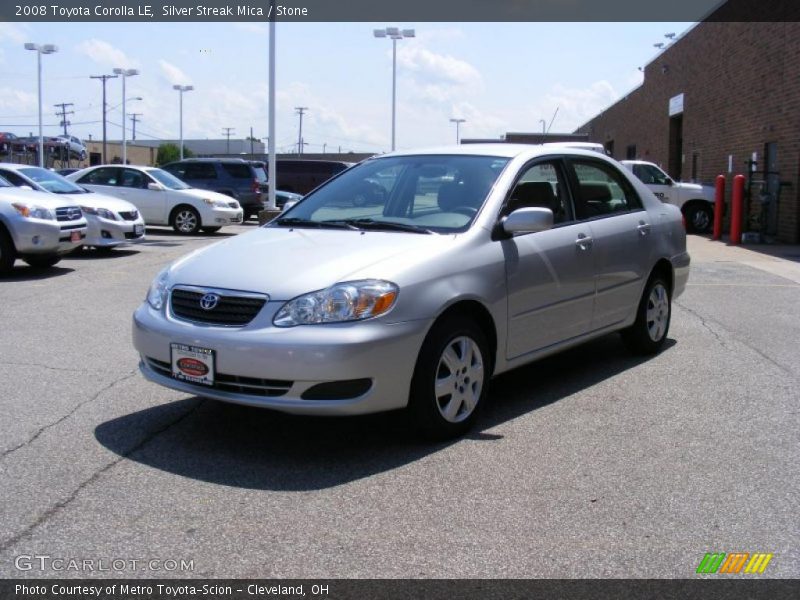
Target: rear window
[260, 172]
[239, 171]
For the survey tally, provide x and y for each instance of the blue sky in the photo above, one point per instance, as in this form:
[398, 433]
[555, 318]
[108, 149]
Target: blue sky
[498, 76]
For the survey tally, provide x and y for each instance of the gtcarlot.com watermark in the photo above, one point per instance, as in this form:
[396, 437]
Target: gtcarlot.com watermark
[58, 564]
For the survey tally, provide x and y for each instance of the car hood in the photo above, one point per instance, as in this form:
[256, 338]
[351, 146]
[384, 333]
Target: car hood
[96, 200]
[286, 262]
[45, 199]
[200, 194]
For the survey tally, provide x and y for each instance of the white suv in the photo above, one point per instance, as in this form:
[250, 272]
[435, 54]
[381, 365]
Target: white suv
[695, 201]
[36, 228]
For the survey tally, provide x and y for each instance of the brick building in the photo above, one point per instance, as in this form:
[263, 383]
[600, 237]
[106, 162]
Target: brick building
[724, 98]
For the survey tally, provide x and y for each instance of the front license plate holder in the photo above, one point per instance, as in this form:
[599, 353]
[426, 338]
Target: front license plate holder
[192, 364]
[75, 236]
[138, 230]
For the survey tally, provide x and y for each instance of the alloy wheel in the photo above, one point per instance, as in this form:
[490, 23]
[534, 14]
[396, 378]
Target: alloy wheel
[459, 379]
[657, 312]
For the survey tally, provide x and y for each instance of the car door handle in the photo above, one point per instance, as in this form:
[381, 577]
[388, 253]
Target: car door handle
[584, 242]
[643, 228]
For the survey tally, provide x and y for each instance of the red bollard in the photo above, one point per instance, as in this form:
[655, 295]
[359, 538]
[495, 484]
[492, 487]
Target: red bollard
[737, 207]
[719, 207]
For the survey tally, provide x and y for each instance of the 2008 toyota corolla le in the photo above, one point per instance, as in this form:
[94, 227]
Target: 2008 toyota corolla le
[411, 279]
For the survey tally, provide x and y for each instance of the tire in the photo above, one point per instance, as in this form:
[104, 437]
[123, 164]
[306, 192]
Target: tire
[42, 262]
[649, 332]
[103, 250]
[456, 355]
[186, 220]
[247, 215]
[699, 218]
[211, 229]
[7, 253]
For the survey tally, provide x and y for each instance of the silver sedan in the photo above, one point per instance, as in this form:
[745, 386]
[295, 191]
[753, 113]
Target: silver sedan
[466, 262]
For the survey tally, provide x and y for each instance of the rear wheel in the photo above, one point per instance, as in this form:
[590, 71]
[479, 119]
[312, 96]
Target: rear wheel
[699, 218]
[450, 379]
[42, 262]
[7, 252]
[186, 220]
[649, 332]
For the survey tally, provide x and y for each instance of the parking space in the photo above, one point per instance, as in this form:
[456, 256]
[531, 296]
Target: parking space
[588, 464]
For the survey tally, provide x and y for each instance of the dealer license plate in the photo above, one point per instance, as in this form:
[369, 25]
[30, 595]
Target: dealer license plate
[192, 364]
[75, 236]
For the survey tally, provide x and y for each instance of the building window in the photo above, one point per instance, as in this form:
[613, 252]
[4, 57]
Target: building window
[630, 152]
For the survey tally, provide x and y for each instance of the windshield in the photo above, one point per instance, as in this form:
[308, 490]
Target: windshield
[168, 180]
[426, 193]
[51, 182]
[651, 174]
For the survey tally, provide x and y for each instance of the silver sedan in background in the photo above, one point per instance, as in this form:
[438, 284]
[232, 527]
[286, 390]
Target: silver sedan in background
[468, 261]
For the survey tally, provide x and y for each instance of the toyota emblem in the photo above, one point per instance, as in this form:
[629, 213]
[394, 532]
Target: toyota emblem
[209, 301]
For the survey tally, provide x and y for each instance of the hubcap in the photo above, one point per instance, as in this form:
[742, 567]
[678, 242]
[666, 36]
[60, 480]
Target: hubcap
[459, 379]
[657, 312]
[701, 220]
[186, 221]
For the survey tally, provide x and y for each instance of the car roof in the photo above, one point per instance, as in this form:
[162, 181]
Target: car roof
[17, 166]
[500, 150]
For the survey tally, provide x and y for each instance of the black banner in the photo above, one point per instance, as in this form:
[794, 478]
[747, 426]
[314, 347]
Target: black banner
[391, 10]
[399, 589]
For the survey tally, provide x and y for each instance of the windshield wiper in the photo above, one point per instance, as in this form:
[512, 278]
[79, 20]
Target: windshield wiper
[374, 225]
[300, 222]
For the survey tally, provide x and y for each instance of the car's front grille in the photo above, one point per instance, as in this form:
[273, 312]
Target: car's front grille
[225, 308]
[251, 386]
[132, 235]
[68, 213]
[130, 215]
[70, 227]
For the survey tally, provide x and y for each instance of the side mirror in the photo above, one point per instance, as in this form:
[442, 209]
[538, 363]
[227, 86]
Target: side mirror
[289, 204]
[26, 187]
[156, 187]
[670, 182]
[528, 220]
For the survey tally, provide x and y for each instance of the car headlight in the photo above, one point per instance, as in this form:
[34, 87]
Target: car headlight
[33, 211]
[216, 203]
[350, 301]
[157, 294]
[100, 212]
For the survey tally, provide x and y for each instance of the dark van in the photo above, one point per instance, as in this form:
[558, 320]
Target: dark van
[245, 180]
[301, 176]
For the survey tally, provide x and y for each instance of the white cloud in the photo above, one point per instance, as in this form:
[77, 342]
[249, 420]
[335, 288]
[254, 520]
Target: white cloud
[575, 105]
[104, 53]
[438, 77]
[10, 32]
[257, 28]
[17, 101]
[173, 74]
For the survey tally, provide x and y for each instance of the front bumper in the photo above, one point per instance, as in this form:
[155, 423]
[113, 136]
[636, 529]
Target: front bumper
[104, 233]
[290, 361]
[218, 217]
[39, 236]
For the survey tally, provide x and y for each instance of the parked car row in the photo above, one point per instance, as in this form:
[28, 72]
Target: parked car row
[44, 215]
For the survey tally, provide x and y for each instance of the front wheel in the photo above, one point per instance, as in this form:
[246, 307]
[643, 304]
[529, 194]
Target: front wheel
[649, 332]
[7, 252]
[186, 220]
[450, 378]
[42, 262]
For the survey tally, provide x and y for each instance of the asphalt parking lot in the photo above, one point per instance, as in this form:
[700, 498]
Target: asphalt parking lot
[589, 464]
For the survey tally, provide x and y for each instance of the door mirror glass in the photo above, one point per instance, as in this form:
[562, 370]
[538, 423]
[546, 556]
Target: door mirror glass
[528, 220]
[156, 187]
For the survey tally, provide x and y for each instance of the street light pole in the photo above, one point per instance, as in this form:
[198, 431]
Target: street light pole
[394, 34]
[458, 122]
[41, 49]
[125, 73]
[181, 89]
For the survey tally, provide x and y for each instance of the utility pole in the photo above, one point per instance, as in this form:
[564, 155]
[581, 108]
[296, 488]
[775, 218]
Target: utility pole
[134, 119]
[251, 142]
[63, 114]
[227, 131]
[104, 78]
[300, 110]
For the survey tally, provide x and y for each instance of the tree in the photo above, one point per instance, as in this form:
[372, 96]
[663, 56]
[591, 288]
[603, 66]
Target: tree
[171, 152]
